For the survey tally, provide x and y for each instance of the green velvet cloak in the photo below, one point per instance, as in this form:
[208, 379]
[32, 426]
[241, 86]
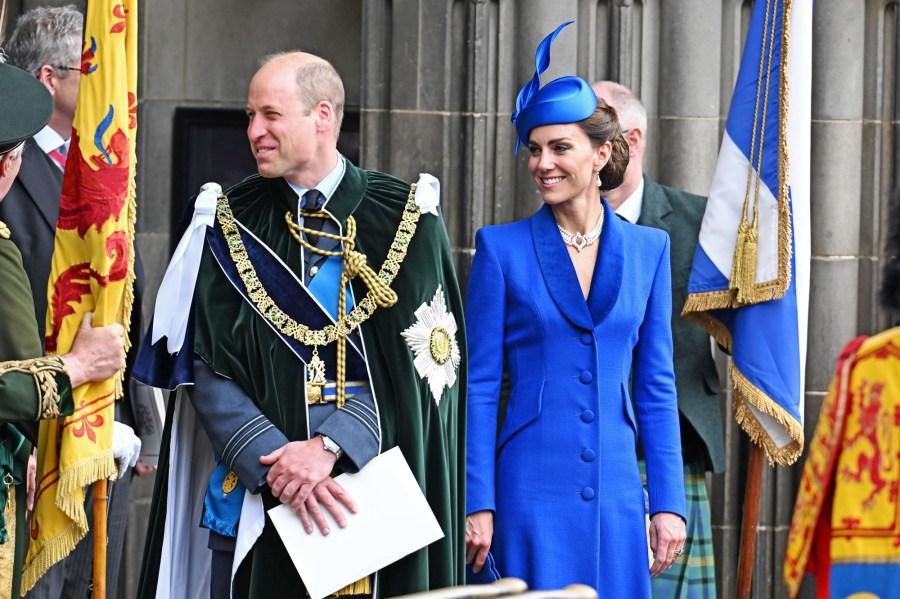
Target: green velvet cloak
[237, 343]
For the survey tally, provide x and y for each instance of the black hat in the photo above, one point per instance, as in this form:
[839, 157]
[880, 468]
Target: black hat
[25, 106]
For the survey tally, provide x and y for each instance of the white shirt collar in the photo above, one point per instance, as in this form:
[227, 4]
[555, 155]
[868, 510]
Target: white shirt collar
[328, 185]
[48, 140]
[631, 207]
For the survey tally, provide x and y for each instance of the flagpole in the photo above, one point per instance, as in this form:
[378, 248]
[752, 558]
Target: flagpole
[751, 519]
[100, 501]
[4, 16]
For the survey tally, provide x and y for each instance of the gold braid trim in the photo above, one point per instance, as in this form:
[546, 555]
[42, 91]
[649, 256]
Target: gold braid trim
[4, 230]
[746, 393]
[379, 295]
[43, 371]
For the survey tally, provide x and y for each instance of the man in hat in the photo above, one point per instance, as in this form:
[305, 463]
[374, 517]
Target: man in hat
[326, 328]
[32, 386]
[642, 200]
[46, 43]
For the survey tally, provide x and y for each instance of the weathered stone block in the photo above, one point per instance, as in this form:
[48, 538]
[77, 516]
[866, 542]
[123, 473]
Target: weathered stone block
[688, 150]
[831, 323]
[835, 191]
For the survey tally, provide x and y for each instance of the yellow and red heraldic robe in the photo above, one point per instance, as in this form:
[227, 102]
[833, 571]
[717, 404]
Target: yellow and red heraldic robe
[229, 333]
[846, 524]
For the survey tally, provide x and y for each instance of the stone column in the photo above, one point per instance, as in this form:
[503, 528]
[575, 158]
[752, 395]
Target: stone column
[881, 113]
[689, 50]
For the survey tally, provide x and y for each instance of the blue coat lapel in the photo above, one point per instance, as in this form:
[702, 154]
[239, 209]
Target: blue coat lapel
[557, 268]
[608, 271]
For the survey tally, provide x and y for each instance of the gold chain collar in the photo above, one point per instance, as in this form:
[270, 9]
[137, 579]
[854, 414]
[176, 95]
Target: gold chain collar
[345, 324]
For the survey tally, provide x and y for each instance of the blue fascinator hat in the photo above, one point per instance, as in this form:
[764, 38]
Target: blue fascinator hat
[565, 100]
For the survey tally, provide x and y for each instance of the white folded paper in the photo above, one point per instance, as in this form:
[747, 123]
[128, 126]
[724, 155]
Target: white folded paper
[394, 519]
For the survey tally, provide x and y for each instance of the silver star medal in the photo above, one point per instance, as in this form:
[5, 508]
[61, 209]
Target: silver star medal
[432, 338]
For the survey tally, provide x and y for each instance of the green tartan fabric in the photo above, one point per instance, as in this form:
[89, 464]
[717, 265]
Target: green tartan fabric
[693, 576]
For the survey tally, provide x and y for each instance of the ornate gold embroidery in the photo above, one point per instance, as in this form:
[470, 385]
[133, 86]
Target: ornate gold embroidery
[230, 482]
[43, 370]
[4, 230]
[346, 324]
[440, 345]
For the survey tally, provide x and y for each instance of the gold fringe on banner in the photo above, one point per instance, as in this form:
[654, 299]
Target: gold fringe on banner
[363, 586]
[69, 500]
[745, 395]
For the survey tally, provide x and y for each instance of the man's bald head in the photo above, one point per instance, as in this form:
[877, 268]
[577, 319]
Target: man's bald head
[316, 80]
[631, 111]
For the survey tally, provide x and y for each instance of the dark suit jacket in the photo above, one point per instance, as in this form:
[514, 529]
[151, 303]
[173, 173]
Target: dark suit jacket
[680, 214]
[30, 210]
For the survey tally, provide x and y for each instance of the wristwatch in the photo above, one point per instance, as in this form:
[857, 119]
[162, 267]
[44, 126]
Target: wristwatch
[331, 446]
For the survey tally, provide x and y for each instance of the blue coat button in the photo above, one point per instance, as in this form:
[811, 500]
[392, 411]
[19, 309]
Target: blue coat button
[586, 377]
[588, 455]
[587, 338]
[587, 493]
[587, 416]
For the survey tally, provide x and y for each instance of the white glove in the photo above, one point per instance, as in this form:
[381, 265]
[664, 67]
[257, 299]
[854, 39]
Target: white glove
[126, 447]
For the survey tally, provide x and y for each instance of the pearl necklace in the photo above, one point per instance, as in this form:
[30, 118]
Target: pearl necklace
[579, 241]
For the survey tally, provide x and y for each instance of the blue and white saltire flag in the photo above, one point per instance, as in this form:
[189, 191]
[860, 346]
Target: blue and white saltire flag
[749, 285]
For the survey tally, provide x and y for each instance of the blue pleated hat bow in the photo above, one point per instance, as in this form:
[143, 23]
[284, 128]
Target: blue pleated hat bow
[565, 100]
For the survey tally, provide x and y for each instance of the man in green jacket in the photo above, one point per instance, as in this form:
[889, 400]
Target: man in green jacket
[640, 199]
[326, 328]
[32, 386]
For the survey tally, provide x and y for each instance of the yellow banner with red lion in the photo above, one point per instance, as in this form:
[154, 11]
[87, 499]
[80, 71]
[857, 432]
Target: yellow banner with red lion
[93, 271]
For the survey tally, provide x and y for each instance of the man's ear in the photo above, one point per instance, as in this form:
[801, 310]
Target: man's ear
[47, 75]
[635, 138]
[6, 163]
[325, 114]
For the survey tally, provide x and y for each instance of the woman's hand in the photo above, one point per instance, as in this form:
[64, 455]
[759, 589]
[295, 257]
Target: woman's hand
[479, 533]
[667, 537]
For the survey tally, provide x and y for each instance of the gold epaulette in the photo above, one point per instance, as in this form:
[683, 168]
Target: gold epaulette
[43, 371]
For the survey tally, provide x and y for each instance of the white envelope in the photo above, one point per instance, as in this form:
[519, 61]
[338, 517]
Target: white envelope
[394, 520]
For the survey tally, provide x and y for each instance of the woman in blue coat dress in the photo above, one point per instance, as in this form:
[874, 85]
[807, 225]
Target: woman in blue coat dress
[574, 304]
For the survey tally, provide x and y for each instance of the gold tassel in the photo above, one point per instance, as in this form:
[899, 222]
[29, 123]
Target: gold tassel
[363, 586]
[743, 267]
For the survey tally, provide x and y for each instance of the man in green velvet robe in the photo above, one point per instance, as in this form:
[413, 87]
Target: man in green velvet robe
[32, 386]
[282, 408]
